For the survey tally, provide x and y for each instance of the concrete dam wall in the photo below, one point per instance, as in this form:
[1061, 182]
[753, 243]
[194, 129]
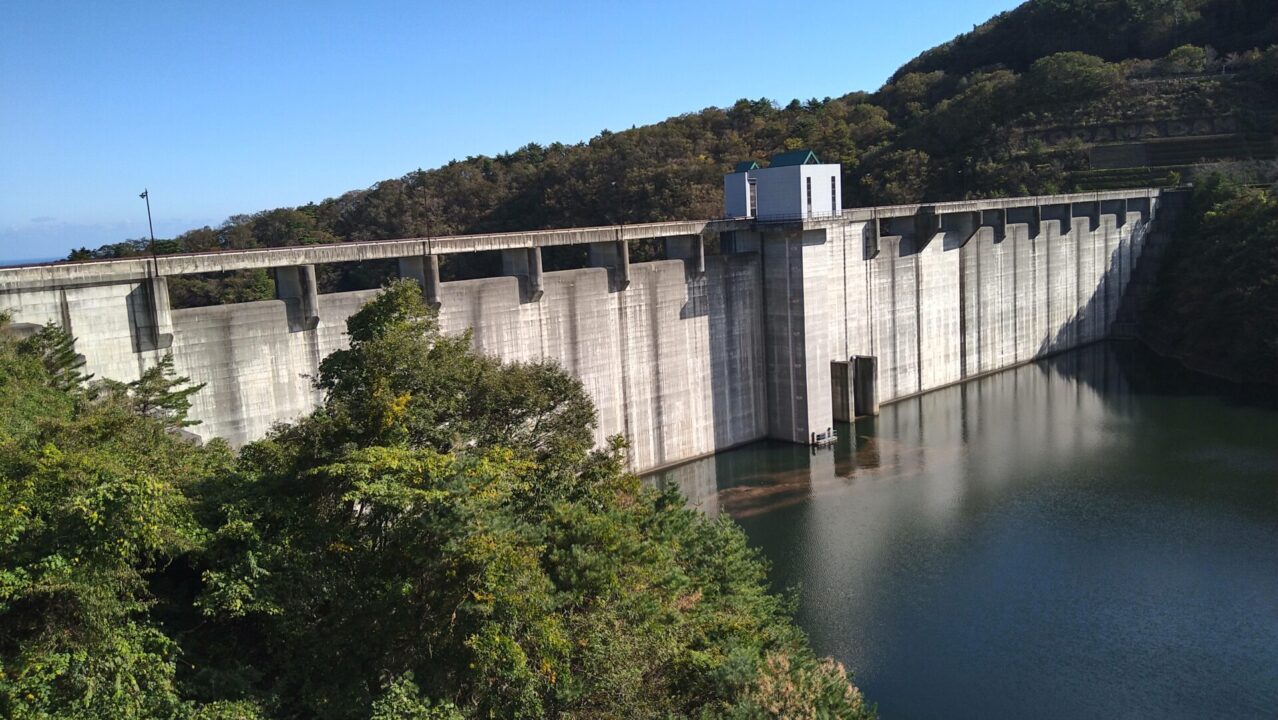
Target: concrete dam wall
[684, 356]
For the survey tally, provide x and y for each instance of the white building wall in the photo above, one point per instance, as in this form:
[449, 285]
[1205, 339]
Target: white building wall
[821, 175]
[782, 191]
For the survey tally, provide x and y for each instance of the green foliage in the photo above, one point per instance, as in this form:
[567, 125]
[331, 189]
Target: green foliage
[1071, 77]
[899, 176]
[443, 521]
[27, 394]
[910, 95]
[56, 350]
[159, 394]
[402, 700]
[1215, 300]
[1110, 29]
[1187, 59]
[235, 286]
[439, 540]
[1265, 68]
[401, 381]
[93, 507]
[228, 710]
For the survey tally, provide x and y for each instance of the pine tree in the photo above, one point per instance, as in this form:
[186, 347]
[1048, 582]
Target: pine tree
[160, 394]
[56, 349]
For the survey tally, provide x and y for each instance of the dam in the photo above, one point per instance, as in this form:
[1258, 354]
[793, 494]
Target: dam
[764, 324]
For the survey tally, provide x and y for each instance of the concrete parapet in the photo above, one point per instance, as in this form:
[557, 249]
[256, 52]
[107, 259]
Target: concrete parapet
[886, 211]
[72, 275]
[124, 270]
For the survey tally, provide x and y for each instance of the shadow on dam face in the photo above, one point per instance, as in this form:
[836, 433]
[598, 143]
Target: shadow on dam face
[729, 296]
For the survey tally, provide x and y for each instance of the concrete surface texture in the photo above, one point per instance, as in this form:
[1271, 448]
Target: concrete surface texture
[683, 357]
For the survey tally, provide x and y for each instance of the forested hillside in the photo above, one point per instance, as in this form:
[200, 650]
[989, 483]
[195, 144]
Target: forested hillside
[1113, 30]
[1214, 306]
[1006, 109]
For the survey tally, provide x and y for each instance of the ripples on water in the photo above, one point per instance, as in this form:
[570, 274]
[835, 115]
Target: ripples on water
[1094, 535]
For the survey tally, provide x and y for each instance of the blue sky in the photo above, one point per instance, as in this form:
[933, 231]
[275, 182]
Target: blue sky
[229, 107]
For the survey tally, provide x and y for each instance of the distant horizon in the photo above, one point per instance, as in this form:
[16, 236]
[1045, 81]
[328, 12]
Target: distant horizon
[242, 108]
[18, 262]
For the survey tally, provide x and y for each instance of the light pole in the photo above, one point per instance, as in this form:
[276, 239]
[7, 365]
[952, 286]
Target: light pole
[147, 197]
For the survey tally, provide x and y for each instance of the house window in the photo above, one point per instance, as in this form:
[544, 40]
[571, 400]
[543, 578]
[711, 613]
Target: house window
[834, 196]
[752, 199]
[809, 197]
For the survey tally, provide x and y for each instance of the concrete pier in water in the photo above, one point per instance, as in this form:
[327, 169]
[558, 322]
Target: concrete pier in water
[794, 324]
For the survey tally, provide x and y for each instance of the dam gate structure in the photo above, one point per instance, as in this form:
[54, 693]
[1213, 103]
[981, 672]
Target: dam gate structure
[794, 323]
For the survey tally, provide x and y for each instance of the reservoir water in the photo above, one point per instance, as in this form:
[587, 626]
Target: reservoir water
[1095, 535]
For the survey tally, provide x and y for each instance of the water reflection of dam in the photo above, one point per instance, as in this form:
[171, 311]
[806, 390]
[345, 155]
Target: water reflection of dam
[1053, 404]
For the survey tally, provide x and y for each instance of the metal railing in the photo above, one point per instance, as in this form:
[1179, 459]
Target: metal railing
[786, 217]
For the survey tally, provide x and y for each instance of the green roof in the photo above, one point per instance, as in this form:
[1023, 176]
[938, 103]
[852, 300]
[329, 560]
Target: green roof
[746, 166]
[794, 157]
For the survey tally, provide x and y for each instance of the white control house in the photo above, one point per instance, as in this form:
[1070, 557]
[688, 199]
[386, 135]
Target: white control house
[795, 185]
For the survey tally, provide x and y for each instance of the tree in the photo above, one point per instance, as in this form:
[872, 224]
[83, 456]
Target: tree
[443, 521]
[1265, 68]
[1071, 77]
[1187, 59]
[897, 177]
[27, 392]
[159, 394]
[56, 350]
[402, 700]
[93, 508]
[1214, 301]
